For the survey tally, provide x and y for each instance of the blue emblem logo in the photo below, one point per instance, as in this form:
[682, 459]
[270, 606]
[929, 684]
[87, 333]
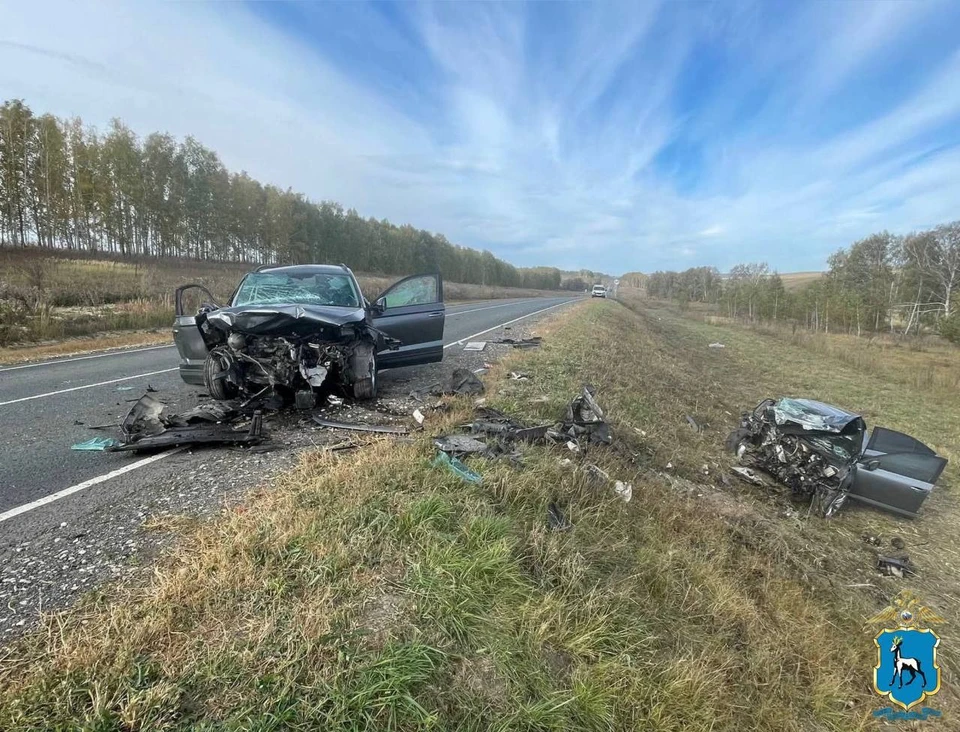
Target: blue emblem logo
[906, 672]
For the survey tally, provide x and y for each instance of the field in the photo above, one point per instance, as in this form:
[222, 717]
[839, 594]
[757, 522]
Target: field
[50, 295]
[372, 590]
[797, 280]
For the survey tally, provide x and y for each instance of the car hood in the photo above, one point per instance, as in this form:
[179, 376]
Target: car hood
[816, 416]
[277, 320]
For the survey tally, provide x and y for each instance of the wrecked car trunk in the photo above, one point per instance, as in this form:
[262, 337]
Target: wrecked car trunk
[825, 454]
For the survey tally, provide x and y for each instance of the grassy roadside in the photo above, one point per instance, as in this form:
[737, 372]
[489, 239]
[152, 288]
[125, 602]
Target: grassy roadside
[81, 346]
[372, 591]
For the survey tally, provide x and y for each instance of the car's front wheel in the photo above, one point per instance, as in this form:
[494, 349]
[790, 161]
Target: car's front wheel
[366, 386]
[215, 370]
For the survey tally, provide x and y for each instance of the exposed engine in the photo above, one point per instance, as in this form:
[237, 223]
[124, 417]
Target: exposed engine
[812, 454]
[308, 355]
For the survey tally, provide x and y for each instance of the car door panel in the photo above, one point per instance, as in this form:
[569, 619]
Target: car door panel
[412, 311]
[186, 331]
[896, 472]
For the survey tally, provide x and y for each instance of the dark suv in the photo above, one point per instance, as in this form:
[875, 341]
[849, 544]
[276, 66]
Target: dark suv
[292, 329]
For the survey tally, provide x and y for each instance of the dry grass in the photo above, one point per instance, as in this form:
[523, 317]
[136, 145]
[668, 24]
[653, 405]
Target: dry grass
[371, 590]
[46, 295]
[81, 346]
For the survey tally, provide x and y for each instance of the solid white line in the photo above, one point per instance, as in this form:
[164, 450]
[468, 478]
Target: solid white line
[509, 322]
[87, 386]
[84, 358]
[86, 484]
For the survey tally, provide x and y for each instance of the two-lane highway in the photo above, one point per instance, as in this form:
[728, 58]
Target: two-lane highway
[47, 407]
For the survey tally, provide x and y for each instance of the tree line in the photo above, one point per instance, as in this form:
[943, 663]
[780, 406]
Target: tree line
[883, 282]
[65, 185]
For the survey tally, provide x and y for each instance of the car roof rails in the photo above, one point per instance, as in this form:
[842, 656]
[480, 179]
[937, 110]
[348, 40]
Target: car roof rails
[265, 266]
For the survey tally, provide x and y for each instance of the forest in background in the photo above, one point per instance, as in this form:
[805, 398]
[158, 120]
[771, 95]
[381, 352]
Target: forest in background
[65, 185]
[882, 283]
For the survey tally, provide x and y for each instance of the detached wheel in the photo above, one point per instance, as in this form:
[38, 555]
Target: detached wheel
[366, 387]
[215, 370]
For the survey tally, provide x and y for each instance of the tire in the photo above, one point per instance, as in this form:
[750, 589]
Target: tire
[366, 388]
[214, 370]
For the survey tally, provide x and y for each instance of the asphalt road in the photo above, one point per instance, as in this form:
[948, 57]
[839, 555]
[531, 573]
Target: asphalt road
[47, 407]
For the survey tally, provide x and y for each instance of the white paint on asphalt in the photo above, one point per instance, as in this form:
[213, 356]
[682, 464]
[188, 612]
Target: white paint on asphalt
[502, 325]
[85, 484]
[87, 386]
[84, 358]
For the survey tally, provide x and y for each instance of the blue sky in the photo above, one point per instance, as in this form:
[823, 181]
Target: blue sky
[634, 136]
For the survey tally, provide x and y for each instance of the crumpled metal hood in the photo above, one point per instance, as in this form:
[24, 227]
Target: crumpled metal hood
[280, 320]
[816, 416]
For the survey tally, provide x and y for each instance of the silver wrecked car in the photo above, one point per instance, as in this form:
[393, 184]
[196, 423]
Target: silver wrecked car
[827, 454]
[291, 330]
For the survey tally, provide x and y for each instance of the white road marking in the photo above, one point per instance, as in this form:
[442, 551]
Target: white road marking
[87, 386]
[509, 322]
[85, 484]
[84, 358]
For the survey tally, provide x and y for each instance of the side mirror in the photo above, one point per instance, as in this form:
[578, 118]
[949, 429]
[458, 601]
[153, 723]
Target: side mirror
[379, 305]
[872, 465]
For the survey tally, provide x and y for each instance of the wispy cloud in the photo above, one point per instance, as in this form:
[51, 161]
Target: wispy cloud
[610, 136]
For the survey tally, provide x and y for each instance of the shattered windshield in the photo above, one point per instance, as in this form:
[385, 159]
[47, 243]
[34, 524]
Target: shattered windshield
[310, 288]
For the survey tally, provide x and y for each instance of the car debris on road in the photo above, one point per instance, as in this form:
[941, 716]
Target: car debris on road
[826, 455]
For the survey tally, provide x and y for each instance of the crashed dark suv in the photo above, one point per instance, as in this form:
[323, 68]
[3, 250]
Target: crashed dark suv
[292, 330]
[826, 454]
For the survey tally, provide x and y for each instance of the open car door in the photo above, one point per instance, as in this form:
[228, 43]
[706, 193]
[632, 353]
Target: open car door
[412, 311]
[896, 472]
[191, 303]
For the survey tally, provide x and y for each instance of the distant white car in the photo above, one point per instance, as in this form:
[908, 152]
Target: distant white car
[599, 291]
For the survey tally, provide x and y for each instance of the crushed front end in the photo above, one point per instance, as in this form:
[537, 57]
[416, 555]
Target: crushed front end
[290, 352]
[808, 446]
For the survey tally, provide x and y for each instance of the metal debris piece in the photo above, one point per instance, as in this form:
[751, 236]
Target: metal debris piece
[519, 376]
[462, 381]
[694, 425]
[456, 467]
[460, 444]
[597, 474]
[96, 444]
[305, 399]
[124, 388]
[205, 412]
[584, 418]
[558, 522]
[418, 416]
[716, 345]
[532, 342]
[475, 346]
[748, 475]
[143, 419]
[359, 427]
[623, 490]
[895, 566]
[199, 434]
[334, 401]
